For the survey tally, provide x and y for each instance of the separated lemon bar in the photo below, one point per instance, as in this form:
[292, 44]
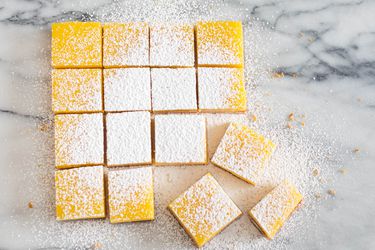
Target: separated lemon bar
[275, 208]
[243, 152]
[204, 210]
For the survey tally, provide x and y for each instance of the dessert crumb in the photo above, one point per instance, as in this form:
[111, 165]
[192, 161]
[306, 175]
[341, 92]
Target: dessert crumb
[356, 150]
[315, 172]
[302, 124]
[289, 125]
[331, 192]
[343, 170]
[318, 195]
[97, 245]
[291, 117]
[278, 75]
[30, 204]
[253, 118]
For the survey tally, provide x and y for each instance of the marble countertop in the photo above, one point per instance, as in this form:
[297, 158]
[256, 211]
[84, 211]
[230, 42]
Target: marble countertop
[320, 53]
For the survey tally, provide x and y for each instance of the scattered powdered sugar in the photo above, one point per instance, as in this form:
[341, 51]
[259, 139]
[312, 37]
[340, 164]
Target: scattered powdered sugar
[79, 139]
[204, 209]
[173, 89]
[299, 151]
[76, 90]
[128, 138]
[180, 139]
[172, 45]
[127, 89]
[221, 89]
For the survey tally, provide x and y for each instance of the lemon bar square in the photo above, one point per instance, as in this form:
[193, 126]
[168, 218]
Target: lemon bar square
[76, 45]
[243, 152]
[128, 138]
[204, 210]
[220, 43]
[174, 89]
[76, 90]
[127, 89]
[275, 208]
[80, 193]
[125, 44]
[172, 45]
[131, 195]
[79, 140]
[221, 90]
[180, 139]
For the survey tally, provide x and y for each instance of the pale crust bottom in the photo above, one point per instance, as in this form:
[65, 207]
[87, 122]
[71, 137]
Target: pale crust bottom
[79, 165]
[175, 111]
[128, 164]
[179, 163]
[234, 174]
[222, 110]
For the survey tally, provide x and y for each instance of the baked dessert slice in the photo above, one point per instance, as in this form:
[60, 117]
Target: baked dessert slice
[127, 89]
[79, 140]
[172, 45]
[174, 90]
[80, 193]
[76, 45]
[77, 90]
[131, 195]
[275, 208]
[125, 44]
[243, 152]
[220, 43]
[204, 210]
[180, 140]
[128, 138]
[221, 90]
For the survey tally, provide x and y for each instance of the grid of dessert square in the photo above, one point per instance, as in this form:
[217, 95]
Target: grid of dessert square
[130, 95]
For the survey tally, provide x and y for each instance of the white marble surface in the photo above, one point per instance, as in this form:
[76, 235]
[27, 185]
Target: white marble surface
[325, 48]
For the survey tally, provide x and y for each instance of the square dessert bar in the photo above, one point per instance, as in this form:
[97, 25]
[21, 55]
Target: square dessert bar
[220, 43]
[275, 208]
[243, 152]
[76, 45]
[127, 89]
[125, 44]
[80, 193]
[221, 90]
[204, 210]
[128, 138]
[180, 140]
[172, 45]
[174, 89]
[131, 195]
[76, 90]
[79, 140]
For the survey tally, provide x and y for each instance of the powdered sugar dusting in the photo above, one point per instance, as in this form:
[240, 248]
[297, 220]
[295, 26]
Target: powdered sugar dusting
[76, 90]
[125, 44]
[243, 152]
[204, 209]
[275, 208]
[79, 139]
[180, 139]
[131, 194]
[127, 89]
[80, 193]
[128, 138]
[173, 89]
[172, 45]
[221, 89]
